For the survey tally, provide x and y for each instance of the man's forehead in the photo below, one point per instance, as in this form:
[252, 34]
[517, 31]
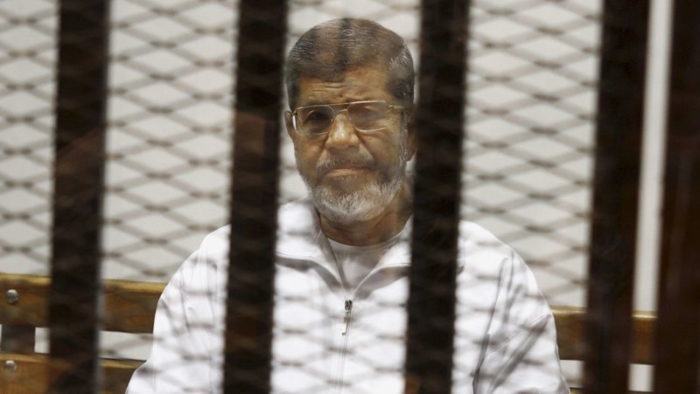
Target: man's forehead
[357, 84]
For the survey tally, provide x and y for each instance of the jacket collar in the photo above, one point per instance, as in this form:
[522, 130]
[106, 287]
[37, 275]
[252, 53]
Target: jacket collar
[300, 238]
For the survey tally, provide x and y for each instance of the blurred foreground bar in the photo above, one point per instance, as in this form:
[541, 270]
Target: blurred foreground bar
[74, 304]
[439, 128]
[678, 332]
[615, 195]
[253, 209]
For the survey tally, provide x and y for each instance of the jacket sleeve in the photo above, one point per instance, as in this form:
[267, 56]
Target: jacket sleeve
[521, 354]
[186, 348]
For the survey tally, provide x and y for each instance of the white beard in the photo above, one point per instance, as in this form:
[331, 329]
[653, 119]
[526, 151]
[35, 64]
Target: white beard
[360, 205]
[365, 203]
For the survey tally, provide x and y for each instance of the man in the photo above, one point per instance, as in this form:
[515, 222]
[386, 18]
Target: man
[343, 252]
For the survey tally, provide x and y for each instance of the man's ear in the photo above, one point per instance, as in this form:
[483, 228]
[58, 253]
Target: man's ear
[289, 123]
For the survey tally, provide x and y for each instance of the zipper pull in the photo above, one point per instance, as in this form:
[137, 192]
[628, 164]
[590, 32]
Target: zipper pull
[348, 310]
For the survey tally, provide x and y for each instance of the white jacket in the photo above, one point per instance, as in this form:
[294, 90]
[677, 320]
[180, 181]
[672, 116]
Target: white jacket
[505, 341]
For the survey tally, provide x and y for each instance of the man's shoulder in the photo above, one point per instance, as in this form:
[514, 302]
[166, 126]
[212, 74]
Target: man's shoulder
[298, 220]
[294, 215]
[217, 239]
[482, 254]
[297, 215]
[491, 265]
[476, 240]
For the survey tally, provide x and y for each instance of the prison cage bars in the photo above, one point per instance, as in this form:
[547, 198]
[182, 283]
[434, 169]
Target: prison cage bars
[677, 340]
[255, 175]
[81, 105]
[439, 134]
[616, 183]
[685, 77]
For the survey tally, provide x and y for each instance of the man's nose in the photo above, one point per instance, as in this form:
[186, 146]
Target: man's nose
[342, 134]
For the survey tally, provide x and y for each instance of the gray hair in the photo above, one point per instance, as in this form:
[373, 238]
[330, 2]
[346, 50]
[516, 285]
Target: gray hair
[332, 48]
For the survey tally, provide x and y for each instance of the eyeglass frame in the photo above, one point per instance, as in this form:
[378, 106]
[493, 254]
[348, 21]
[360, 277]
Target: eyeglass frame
[293, 116]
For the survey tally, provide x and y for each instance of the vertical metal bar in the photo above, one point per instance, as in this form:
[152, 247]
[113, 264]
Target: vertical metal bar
[439, 126]
[615, 195]
[74, 314]
[678, 330]
[254, 196]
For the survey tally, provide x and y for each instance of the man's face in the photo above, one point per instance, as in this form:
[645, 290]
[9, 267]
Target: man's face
[352, 175]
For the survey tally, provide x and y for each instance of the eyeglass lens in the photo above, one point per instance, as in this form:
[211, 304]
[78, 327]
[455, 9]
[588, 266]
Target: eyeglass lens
[316, 120]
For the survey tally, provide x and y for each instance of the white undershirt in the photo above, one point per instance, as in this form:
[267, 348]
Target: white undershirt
[356, 262]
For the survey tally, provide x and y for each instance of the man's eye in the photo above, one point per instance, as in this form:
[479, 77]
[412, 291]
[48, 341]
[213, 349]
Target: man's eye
[367, 116]
[317, 116]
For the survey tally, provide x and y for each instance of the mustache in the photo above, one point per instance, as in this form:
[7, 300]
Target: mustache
[344, 162]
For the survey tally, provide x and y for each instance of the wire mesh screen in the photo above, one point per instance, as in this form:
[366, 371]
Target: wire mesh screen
[169, 141]
[27, 58]
[530, 134]
[532, 70]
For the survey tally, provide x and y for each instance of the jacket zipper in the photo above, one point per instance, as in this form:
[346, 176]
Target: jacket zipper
[345, 332]
[343, 352]
[348, 314]
[348, 311]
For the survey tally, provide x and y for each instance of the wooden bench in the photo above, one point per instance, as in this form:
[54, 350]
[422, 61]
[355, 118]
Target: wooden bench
[130, 306]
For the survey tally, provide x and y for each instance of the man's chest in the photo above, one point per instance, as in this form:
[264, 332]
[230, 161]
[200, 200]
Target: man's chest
[328, 339]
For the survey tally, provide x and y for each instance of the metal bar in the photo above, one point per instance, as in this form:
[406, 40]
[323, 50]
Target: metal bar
[439, 126]
[615, 195]
[74, 296]
[677, 341]
[254, 196]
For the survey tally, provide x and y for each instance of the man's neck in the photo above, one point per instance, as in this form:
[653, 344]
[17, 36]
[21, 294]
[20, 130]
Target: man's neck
[375, 230]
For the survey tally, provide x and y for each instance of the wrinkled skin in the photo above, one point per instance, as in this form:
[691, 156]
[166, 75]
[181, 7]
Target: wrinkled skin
[357, 180]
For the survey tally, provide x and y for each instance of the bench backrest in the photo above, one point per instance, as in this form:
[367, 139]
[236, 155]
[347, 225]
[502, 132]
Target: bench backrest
[129, 307]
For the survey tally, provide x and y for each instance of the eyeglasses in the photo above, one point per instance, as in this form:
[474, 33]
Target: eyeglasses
[365, 116]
